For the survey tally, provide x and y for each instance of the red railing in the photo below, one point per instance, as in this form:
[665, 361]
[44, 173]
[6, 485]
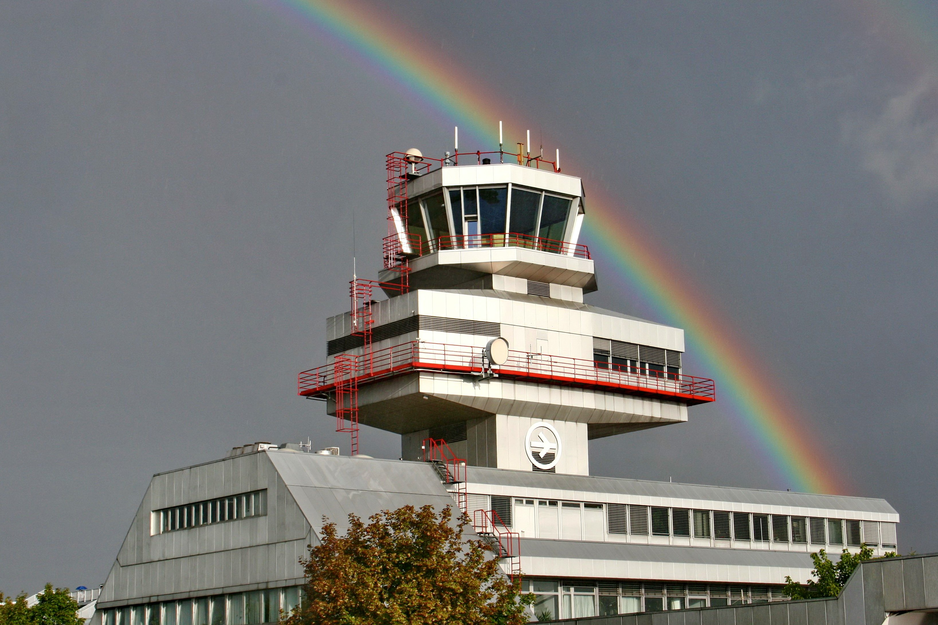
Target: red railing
[452, 469]
[525, 366]
[425, 164]
[394, 249]
[508, 543]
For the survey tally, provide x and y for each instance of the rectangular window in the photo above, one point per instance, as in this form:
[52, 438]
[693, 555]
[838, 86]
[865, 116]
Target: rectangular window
[455, 204]
[616, 518]
[701, 524]
[291, 598]
[524, 209]
[553, 218]
[835, 531]
[654, 604]
[185, 612]
[601, 358]
[254, 607]
[571, 521]
[200, 513]
[236, 609]
[681, 521]
[799, 532]
[169, 613]
[272, 606]
[219, 608]
[660, 522]
[593, 521]
[201, 610]
[638, 519]
[741, 526]
[818, 536]
[108, 617]
[630, 605]
[493, 206]
[760, 527]
[870, 533]
[721, 525]
[780, 528]
[889, 534]
[853, 534]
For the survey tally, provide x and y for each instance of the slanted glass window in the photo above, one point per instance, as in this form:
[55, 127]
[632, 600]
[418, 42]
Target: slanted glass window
[524, 205]
[415, 226]
[760, 527]
[554, 217]
[169, 613]
[835, 531]
[660, 522]
[236, 609]
[185, 612]
[741, 526]
[681, 521]
[701, 524]
[201, 611]
[219, 610]
[139, 614]
[799, 527]
[455, 205]
[493, 205]
[721, 525]
[436, 217]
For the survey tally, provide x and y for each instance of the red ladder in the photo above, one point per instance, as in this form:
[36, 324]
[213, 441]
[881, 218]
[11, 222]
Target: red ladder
[507, 544]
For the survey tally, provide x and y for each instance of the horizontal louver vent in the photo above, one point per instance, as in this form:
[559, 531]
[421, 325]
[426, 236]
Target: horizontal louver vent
[853, 533]
[538, 288]
[599, 343]
[674, 358]
[638, 517]
[477, 502]
[654, 355]
[547, 459]
[502, 507]
[871, 532]
[413, 324]
[615, 517]
[630, 588]
[607, 587]
[625, 350]
[889, 534]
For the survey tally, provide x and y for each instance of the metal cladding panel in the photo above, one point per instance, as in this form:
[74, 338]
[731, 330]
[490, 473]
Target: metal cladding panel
[851, 600]
[641, 491]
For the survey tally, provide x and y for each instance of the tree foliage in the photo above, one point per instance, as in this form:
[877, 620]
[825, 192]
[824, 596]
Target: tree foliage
[831, 576]
[406, 567]
[53, 607]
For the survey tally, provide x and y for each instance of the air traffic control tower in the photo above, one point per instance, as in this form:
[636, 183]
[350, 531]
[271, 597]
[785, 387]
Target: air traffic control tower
[484, 341]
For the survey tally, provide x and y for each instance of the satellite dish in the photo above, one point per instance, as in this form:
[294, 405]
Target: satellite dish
[413, 155]
[496, 351]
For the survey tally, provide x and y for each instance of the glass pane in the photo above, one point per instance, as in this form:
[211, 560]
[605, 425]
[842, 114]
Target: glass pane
[470, 202]
[853, 534]
[153, 618]
[675, 603]
[681, 522]
[721, 525]
[219, 605]
[455, 204]
[436, 216]
[696, 602]
[272, 606]
[540, 585]
[583, 606]
[169, 613]
[124, 616]
[139, 613]
[493, 204]
[524, 205]
[201, 611]
[291, 598]
[835, 532]
[608, 605]
[108, 617]
[415, 224]
[236, 609]
[701, 523]
[716, 602]
[760, 527]
[567, 607]
[253, 607]
[553, 218]
[185, 613]
[545, 607]
[654, 604]
[741, 525]
[799, 530]
[630, 605]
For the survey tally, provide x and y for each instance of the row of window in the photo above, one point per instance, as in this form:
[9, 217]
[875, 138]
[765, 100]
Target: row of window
[721, 525]
[243, 608]
[230, 508]
[576, 599]
[634, 358]
[494, 210]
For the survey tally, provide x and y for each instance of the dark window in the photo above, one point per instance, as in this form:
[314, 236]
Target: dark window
[701, 524]
[493, 204]
[436, 216]
[817, 531]
[853, 534]
[553, 218]
[653, 369]
[835, 531]
[415, 225]
[524, 205]
[659, 522]
[681, 521]
[780, 528]
[455, 203]
[601, 358]
[760, 527]
[721, 525]
[799, 530]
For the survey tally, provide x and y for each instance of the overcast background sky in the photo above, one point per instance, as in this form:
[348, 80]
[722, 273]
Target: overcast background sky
[177, 184]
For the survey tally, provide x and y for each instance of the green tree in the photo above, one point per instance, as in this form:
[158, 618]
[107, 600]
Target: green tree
[53, 607]
[406, 567]
[831, 576]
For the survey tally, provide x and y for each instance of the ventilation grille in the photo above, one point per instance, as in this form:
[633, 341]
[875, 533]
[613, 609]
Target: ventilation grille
[547, 459]
[674, 358]
[653, 355]
[638, 518]
[625, 350]
[607, 587]
[616, 518]
[538, 288]
[413, 324]
[477, 502]
[502, 507]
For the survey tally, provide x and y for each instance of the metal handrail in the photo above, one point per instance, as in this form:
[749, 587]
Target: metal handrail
[393, 247]
[525, 366]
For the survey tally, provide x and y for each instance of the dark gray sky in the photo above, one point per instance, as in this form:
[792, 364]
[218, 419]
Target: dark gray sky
[179, 177]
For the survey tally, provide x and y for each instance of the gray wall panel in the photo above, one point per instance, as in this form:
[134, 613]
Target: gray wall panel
[913, 583]
[893, 591]
[930, 580]
[852, 600]
[873, 593]
[817, 611]
[761, 613]
[779, 613]
[743, 616]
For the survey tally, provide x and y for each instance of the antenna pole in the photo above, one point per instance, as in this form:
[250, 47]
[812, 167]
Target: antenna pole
[501, 152]
[558, 159]
[528, 148]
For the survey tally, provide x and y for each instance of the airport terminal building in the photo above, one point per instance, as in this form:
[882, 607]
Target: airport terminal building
[485, 358]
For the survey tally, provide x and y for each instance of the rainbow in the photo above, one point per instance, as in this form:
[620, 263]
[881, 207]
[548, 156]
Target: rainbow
[774, 430]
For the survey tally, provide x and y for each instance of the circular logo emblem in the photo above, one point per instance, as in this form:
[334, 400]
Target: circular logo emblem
[542, 444]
